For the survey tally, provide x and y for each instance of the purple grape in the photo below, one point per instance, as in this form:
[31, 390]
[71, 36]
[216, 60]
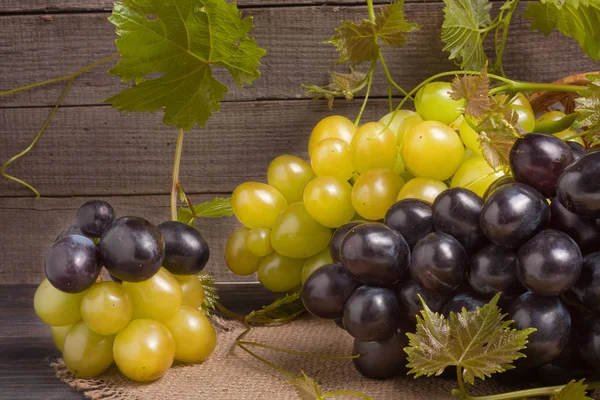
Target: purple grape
[372, 314]
[408, 296]
[338, 237]
[72, 264]
[94, 217]
[71, 230]
[381, 360]
[587, 287]
[462, 300]
[577, 150]
[326, 290]
[186, 251]
[493, 270]
[578, 188]
[498, 183]
[584, 231]
[411, 218]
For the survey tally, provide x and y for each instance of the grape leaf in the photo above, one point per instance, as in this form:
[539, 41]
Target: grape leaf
[462, 33]
[358, 42]
[182, 40]
[574, 390]
[474, 89]
[281, 310]
[210, 293]
[306, 388]
[498, 132]
[340, 85]
[213, 208]
[480, 341]
[588, 108]
[577, 19]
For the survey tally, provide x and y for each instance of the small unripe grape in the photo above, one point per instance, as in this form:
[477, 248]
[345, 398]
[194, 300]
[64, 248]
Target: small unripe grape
[238, 258]
[279, 273]
[258, 241]
[289, 175]
[433, 102]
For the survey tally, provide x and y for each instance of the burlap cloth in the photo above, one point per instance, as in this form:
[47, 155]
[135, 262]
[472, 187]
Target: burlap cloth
[230, 373]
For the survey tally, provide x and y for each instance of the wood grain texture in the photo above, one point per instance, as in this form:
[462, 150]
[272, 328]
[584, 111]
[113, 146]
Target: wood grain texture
[39, 47]
[29, 227]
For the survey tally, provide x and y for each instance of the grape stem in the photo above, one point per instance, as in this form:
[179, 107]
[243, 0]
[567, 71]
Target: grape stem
[298, 353]
[345, 393]
[176, 166]
[369, 82]
[504, 23]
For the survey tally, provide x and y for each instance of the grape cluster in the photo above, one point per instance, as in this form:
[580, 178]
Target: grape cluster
[147, 317]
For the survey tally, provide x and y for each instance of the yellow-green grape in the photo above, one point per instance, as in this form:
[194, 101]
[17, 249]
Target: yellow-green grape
[257, 205]
[406, 126]
[296, 234]
[374, 192]
[425, 189]
[399, 168]
[334, 126]
[469, 136]
[289, 175]
[194, 336]
[328, 201]
[192, 291]
[311, 264]
[87, 354]
[397, 120]
[520, 104]
[59, 334]
[467, 156]
[238, 258]
[279, 273]
[433, 102]
[156, 298]
[373, 146]
[331, 157]
[144, 350]
[406, 176]
[476, 175]
[258, 241]
[567, 133]
[555, 116]
[106, 308]
[56, 308]
[432, 150]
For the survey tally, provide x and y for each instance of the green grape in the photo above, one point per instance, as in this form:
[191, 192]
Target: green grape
[398, 120]
[311, 264]
[432, 150]
[106, 308]
[406, 176]
[469, 136]
[555, 116]
[56, 308]
[87, 354]
[289, 175]
[520, 104]
[433, 102]
[156, 298]
[331, 157]
[334, 126]
[59, 334]
[192, 291]
[279, 273]
[194, 336]
[406, 126]
[374, 192]
[257, 205]
[328, 201]
[373, 146]
[468, 155]
[476, 175]
[238, 258]
[144, 350]
[296, 234]
[258, 241]
[399, 168]
[425, 189]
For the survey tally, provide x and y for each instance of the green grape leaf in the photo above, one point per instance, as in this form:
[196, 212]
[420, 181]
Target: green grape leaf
[480, 341]
[588, 109]
[182, 41]
[497, 134]
[574, 390]
[211, 296]
[358, 42]
[462, 32]
[340, 85]
[577, 19]
[284, 309]
[213, 208]
[306, 388]
[474, 89]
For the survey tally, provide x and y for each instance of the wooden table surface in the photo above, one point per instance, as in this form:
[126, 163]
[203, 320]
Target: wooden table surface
[26, 347]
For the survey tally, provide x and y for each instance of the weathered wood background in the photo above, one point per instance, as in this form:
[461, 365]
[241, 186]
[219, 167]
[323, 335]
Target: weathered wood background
[91, 151]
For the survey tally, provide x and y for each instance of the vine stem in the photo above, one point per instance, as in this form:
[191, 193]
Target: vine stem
[176, 166]
[297, 353]
[346, 393]
[522, 394]
[389, 76]
[61, 78]
[371, 10]
[505, 25]
[461, 382]
[369, 82]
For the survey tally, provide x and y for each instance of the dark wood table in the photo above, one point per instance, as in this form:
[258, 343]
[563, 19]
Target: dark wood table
[26, 347]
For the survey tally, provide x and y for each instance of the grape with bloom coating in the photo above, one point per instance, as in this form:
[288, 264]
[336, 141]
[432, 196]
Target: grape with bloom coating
[432, 150]
[373, 146]
[194, 336]
[258, 241]
[87, 354]
[106, 308]
[289, 175]
[334, 126]
[279, 273]
[144, 350]
[296, 234]
[239, 259]
[56, 308]
[311, 264]
[59, 334]
[476, 175]
[257, 205]
[374, 192]
[93, 217]
[192, 291]
[331, 157]
[328, 201]
[433, 102]
[425, 189]
[73, 263]
[156, 298]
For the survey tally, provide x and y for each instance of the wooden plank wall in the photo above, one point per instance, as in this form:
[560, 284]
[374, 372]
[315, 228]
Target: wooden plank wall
[91, 151]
